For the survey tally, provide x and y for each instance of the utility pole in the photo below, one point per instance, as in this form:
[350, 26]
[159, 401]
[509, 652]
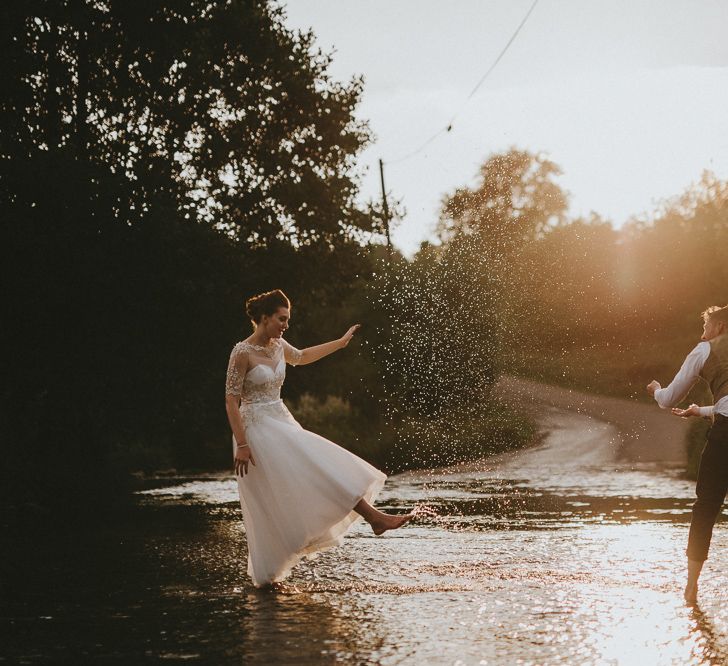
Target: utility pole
[385, 206]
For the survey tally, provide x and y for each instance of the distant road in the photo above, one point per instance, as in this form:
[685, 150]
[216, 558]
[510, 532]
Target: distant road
[648, 433]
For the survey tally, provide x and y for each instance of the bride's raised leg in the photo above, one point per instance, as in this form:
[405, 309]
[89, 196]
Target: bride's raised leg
[380, 522]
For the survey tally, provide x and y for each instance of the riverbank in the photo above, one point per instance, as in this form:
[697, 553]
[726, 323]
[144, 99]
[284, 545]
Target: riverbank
[517, 417]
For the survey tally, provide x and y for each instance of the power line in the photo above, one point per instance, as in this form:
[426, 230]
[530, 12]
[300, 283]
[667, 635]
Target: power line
[421, 148]
[497, 60]
[448, 127]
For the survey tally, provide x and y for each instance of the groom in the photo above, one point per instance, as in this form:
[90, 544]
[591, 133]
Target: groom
[708, 361]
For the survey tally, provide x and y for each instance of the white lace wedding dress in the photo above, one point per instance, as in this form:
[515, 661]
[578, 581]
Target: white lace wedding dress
[298, 498]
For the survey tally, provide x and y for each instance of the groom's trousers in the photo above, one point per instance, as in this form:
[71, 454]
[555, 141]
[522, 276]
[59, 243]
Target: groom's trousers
[711, 489]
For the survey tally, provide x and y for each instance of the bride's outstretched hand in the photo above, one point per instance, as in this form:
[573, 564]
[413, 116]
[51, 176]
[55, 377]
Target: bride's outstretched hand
[693, 410]
[346, 338]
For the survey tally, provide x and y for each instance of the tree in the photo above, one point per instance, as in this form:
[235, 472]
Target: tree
[447, 311]
[158, 161]
[218, 104]
[514, 201]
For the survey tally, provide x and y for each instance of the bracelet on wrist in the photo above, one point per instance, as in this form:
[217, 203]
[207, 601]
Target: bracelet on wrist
[242, 446]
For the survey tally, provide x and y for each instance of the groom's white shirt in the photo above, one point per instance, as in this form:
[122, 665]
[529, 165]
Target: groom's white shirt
[688, 374]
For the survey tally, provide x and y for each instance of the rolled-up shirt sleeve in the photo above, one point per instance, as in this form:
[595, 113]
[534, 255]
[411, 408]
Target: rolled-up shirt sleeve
[688, 374]
[707, 411]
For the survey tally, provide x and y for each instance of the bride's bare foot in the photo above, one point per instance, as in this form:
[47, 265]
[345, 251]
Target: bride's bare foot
[691, 593]
[381, 522]
[385, 521]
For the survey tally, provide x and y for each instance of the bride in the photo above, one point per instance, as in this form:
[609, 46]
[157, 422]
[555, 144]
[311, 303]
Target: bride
[298, 491]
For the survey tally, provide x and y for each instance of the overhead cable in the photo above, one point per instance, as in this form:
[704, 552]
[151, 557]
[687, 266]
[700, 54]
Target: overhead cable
[448, 127]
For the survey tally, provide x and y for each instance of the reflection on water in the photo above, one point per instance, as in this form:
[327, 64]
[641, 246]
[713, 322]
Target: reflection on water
[559, 554]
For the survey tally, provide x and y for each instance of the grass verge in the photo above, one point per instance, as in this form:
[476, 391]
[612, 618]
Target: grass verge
[416, 443]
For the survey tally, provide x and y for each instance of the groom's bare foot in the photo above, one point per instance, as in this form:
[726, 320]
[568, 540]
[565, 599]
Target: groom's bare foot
[691, 593]
[386, 521]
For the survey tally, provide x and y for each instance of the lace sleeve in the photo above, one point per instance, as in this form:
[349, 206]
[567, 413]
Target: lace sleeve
[292, 355]
[236, 370]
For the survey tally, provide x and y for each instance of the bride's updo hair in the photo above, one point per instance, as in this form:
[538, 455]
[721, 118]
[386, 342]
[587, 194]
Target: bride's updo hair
[266, 304]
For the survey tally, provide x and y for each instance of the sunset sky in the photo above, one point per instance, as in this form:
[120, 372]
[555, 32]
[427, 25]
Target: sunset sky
[628, 97]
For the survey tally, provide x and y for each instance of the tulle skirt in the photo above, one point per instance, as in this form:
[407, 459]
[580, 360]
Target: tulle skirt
[299, 497]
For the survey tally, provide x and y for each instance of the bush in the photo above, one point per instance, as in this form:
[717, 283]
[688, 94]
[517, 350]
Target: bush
[460, 437]
[334, 418]
[415, 443]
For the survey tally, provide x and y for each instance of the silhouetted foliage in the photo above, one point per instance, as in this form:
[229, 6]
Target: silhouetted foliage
[159, 162]
[576, 300]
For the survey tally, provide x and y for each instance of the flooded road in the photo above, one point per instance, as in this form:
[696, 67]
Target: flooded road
[564, 553]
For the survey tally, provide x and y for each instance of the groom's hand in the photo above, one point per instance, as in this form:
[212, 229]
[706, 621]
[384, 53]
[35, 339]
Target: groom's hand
[693, 410]
[652, 387]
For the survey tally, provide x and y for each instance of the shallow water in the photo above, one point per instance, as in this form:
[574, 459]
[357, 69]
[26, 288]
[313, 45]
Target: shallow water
[558, 554]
